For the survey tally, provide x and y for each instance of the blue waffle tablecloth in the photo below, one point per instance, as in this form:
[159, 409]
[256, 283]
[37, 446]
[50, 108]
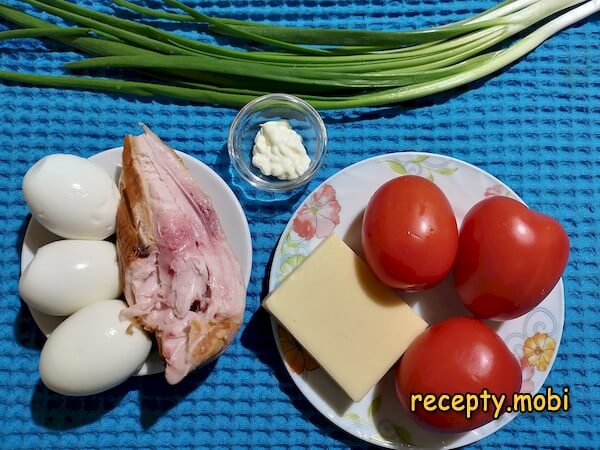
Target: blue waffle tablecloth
[536, 126]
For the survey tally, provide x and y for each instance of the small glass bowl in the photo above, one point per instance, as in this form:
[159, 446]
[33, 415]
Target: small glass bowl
[303, 118]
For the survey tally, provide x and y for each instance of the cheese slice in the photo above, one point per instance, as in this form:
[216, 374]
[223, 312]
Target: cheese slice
[354, 326]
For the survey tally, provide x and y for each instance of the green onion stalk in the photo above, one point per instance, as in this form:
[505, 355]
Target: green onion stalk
[330, 68]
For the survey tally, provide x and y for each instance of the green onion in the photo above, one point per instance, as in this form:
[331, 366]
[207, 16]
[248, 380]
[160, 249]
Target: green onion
[503, 8]
[330, 68]
[312, 36]
[294, 75]
[156, 13]
[42, 32]
[134, 38]
[128, 87]
[90, 45]
[224, 28]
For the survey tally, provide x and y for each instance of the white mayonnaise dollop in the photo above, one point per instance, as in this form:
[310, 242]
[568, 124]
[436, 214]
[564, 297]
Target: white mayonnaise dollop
[279, 152]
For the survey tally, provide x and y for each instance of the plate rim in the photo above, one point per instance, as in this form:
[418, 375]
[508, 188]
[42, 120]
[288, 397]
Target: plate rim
[187, 159]
[505, 418]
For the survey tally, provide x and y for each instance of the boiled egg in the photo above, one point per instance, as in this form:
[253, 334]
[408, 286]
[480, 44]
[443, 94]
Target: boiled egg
[72, 197]
[64, 276]
[93, 350]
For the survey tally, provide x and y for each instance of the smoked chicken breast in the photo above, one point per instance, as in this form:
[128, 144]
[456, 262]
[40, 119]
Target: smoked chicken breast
[181, 280]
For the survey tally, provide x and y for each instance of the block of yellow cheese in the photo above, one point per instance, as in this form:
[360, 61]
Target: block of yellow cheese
[354, 326]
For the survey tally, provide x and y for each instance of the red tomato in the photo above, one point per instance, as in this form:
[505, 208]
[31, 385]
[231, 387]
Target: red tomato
[509, 258]
[457, 356]
[409, 233]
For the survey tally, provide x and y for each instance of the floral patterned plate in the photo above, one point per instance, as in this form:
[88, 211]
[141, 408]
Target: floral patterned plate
[337, 207]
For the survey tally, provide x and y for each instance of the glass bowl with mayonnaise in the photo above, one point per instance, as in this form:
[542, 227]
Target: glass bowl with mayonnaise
[277, 142]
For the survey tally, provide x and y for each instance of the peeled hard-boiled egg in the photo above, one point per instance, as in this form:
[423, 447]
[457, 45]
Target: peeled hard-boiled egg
[65, 276]
[93, 351]
[72, 197]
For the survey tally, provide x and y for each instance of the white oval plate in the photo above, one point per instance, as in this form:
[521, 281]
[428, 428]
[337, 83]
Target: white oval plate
[337, 207]
[228, 208]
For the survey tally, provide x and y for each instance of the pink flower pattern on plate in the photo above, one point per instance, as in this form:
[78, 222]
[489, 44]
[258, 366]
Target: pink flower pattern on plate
[496, 190]
[319, 215]
[527, 372]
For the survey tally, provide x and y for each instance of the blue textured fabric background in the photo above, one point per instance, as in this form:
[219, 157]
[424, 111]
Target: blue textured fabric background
[536, 126]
